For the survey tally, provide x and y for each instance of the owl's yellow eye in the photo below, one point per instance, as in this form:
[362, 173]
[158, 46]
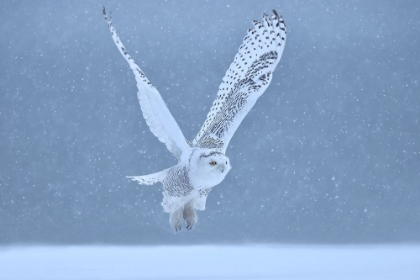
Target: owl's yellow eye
[213, 163]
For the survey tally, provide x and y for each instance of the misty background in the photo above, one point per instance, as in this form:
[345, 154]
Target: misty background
[330, 153]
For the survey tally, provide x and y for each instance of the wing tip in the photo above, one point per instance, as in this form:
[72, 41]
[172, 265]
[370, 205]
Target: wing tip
[280, 19]
[107, 17]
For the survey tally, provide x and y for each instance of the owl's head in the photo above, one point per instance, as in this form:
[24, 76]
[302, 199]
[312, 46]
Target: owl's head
[208, 167]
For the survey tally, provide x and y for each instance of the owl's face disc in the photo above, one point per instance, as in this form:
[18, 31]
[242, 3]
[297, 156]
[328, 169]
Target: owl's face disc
[208, 168]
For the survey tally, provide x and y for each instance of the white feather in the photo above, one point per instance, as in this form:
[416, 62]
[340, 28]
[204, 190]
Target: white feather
[156, 113]
[151, 178]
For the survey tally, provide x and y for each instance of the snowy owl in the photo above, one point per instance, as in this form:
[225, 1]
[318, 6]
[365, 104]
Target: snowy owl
[202, 163]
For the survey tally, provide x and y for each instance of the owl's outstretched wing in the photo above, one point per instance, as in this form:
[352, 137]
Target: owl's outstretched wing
[156, 113]
[246, 79]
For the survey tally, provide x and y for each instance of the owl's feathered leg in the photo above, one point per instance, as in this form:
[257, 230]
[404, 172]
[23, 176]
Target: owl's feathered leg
[176, 219]
[190, 215]
[199, 203]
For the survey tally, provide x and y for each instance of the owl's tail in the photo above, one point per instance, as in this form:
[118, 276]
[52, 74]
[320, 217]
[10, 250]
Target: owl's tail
[151, 178]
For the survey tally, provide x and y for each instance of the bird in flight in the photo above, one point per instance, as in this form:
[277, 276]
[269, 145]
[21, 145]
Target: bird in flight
[202, 163]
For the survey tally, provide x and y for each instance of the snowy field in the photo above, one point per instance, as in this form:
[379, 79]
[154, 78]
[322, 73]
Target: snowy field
[211, 262]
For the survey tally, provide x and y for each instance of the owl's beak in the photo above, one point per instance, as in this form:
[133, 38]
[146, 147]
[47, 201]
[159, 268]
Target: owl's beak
[222, 168]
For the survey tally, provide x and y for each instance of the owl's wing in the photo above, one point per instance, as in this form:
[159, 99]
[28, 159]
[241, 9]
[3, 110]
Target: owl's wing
[156, 113]
[246, 79]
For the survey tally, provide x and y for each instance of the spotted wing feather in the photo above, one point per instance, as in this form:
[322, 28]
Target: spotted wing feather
[156, 113]
[246, 79]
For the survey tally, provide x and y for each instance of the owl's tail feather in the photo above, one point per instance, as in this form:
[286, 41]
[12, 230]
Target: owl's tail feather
[151, 178]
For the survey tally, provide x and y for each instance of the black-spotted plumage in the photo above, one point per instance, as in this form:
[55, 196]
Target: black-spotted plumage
[246, 79]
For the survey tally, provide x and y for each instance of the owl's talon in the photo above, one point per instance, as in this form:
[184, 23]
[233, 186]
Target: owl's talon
[189, 215]
[176, 219]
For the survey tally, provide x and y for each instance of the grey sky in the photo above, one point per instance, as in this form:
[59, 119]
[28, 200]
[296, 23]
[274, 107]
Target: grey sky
[330, 152]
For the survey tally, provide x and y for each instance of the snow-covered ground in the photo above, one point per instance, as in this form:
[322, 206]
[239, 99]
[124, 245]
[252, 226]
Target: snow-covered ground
[211, 262]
